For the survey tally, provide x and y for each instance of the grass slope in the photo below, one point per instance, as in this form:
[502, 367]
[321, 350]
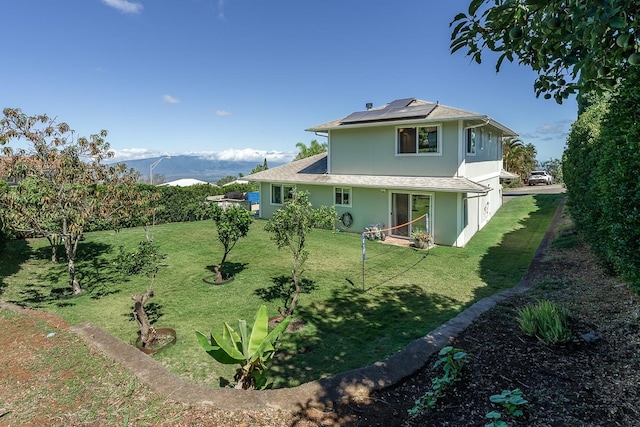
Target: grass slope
[353, 319]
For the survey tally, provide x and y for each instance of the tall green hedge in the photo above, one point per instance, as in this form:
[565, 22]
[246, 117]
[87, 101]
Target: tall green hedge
[580, 166]
[602, 174]
[182, 204]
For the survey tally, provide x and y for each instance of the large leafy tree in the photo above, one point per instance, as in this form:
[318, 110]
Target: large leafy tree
[69, 187]
[290, 227]
[26, 210]
[573, 45]
[307, 151]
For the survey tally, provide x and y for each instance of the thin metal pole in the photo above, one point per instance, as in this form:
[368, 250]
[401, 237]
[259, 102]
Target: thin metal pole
[364, 256]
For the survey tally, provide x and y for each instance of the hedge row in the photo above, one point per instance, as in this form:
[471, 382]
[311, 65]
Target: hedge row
[601, 171]
[173, 204]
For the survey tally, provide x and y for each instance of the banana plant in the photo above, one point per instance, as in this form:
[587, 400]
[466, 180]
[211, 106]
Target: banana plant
[250, 349]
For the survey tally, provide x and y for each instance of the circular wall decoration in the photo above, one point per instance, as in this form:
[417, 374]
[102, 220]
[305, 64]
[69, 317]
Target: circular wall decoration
[346, 219]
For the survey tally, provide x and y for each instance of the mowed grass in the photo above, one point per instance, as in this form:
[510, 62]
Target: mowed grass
[355, 313]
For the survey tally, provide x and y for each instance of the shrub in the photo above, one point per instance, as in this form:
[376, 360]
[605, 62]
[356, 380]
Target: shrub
[251, 349]
[452, 360]
[546, 321]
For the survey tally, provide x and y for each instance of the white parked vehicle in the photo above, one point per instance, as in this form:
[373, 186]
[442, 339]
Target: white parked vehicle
[540, 177]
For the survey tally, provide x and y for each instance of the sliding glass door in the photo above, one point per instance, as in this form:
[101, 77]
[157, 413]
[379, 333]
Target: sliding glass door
[407, 208]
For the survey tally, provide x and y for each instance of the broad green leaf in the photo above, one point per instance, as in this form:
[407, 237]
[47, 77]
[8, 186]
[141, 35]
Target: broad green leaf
[226, 343]
[260, 330]
[267, 344]
[244, 339]
[215, 351]
[618, 22]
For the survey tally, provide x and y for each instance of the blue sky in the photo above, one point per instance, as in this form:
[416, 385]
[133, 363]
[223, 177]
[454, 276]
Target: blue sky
[240, 79]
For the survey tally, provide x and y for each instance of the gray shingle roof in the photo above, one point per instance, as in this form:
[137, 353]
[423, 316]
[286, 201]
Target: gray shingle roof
[313, 170]
[417, 110]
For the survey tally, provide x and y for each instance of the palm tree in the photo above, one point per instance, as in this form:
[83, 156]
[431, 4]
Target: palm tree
[517, 157]
[314, 148]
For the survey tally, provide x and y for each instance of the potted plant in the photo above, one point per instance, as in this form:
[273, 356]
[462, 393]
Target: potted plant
[421, 239]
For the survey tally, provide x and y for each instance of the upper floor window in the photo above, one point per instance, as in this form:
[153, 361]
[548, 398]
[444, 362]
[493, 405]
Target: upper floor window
[281, 193]
[342, 196]
[471, 142]
[418, 140]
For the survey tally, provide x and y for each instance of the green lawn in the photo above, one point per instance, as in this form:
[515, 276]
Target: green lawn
[352, 319]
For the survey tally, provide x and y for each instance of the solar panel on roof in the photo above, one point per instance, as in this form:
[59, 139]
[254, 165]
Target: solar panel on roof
[404, 102]
[397, 109]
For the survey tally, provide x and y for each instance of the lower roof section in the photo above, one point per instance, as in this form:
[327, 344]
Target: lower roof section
[313, 171]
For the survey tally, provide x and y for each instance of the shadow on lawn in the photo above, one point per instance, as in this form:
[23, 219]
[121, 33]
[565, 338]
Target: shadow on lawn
[14, 253]
[504, 265]
[153, 310]
[282, 289]
[351, 329]
[230, 269]
[96, 274]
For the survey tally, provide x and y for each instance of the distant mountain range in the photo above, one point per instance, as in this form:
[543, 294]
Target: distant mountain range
[196, 167]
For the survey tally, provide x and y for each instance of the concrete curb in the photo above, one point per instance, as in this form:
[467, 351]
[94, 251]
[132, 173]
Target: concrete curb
[321, 393]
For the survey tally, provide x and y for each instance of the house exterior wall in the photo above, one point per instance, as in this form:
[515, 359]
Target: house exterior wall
[479, 210]
[487, 160]
[372, 151]
[373, 206]
[368, 205]
[481, 170]
[445, 219]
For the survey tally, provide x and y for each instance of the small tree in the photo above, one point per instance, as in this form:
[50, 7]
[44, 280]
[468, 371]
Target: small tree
[145, 260]
[290, 227]
[232, 223]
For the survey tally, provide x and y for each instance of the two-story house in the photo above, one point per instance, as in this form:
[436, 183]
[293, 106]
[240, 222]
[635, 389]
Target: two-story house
[408, 164]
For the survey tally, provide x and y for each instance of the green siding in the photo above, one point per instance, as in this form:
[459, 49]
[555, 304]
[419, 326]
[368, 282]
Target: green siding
[445, 221]
[372, 206]
[372, 151]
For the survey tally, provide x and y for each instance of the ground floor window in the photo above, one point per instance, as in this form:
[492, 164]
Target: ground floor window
[342, 196]
[280, 193]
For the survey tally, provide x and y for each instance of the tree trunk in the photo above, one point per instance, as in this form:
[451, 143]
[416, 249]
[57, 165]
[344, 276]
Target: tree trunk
[71, 246]
[54, 242]
[147, 332]
[218, 270]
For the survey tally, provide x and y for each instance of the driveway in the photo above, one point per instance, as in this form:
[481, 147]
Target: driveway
[510, 193]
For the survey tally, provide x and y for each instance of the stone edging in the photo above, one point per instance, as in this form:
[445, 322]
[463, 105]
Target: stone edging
[321, 393]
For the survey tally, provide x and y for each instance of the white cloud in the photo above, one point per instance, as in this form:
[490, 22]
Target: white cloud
[549, 131]
[231, 154]
[222, 113]
[247, 154]
[134, 153]
[124, 6]
[221, 9]
[170, 99]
